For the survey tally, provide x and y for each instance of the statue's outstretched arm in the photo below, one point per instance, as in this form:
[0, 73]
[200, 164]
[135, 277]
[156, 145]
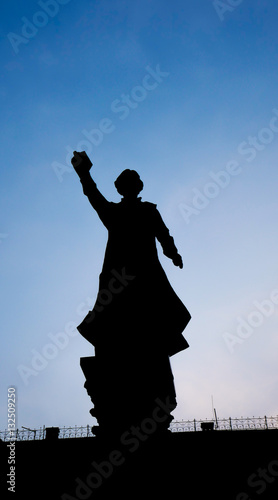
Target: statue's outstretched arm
[82, 165]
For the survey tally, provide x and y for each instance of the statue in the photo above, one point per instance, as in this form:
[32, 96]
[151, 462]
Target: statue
[137, 321]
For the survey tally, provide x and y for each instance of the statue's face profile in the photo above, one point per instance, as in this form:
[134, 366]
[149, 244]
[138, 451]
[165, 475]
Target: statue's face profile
[129, 184]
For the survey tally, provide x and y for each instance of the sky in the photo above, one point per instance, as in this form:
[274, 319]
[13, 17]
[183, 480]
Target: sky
[185, 93]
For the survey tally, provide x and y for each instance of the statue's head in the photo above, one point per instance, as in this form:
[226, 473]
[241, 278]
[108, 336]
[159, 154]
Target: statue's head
[129, 184]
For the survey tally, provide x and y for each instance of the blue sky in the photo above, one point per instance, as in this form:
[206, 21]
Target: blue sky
[204, 140]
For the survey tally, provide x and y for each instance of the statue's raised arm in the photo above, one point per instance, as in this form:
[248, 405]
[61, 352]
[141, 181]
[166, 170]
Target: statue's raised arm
[82, 165]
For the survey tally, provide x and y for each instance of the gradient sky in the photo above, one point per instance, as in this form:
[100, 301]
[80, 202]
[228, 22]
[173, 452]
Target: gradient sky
[213, 108]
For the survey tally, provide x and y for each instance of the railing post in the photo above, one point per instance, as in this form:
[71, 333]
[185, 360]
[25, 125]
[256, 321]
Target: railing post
[230, 420]
[265, 419]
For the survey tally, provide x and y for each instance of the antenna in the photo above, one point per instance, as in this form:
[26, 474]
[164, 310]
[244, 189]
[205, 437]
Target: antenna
[216, 421]
[214, 413]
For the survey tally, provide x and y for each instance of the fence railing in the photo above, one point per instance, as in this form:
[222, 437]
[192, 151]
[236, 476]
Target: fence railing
[236, 424]
[232, 424]
[40, 434]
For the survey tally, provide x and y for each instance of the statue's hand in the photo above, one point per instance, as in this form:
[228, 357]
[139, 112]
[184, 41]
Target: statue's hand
[81, 163]
[177, 261]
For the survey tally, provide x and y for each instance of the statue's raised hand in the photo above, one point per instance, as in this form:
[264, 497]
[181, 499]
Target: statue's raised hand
[81, 163]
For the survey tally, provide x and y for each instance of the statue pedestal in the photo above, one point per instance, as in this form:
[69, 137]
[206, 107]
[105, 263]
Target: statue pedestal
[129, 393]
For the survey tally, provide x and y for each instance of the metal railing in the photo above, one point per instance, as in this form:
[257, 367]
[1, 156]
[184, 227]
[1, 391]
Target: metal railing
[232, 424]
[40, 434]
[236, 424]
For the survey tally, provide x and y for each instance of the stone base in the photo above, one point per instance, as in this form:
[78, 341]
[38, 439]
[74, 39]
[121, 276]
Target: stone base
[130, 393]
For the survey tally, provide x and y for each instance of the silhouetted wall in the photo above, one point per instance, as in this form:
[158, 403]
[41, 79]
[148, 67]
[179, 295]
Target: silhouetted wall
[236, 465]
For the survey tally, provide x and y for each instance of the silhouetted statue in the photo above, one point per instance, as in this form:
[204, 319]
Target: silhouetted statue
[137, 320]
